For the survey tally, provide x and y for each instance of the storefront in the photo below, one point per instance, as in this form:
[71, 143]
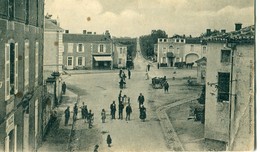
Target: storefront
[102, 62]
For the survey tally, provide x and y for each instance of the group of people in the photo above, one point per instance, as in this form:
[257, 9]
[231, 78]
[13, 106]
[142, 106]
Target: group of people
[85, 114]
[122, 76]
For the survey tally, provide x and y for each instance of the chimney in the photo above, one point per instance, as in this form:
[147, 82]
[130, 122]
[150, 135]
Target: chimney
[67, 31]
[84, 31]
[208, 32]
[238, 26]
[223, 31]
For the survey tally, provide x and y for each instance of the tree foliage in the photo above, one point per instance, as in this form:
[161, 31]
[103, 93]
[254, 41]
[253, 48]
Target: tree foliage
[147, 42]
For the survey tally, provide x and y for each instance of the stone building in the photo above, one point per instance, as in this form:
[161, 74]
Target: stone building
[201, 70]
[171, 52]
[87, 51]
[21, 81]
[120, 55]
[230, 89]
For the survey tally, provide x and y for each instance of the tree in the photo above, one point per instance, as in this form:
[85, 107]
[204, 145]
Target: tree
[147, 42]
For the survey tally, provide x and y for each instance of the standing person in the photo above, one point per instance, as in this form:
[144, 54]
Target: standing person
[109, 140]
[75, 112]
[148, 67]
[141, 100]
[120, 72]
[63, 87]
[90, 119]
[82, 111]
[67, 115]
[103, 115]
[113, 110]
[142, 113]
[158, 66]
[146, 76]
[120, 109]
[129, 73]
[166, 87]
[119, 96]
[128, 112]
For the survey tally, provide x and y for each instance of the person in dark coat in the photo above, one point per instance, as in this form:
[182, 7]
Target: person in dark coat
[166, 87]
[120, 72]
[85, 110]
[129, 74]
[113, 110]
[82, 111]
[96, 148]
[120, 109]
[148, 67]
[67, 115]
[109, 140]
[141, 99]
[75, 112]
[63, 87]
[142, 113]
[128, 111]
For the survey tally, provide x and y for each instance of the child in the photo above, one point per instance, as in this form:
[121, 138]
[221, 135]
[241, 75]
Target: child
[109, 140]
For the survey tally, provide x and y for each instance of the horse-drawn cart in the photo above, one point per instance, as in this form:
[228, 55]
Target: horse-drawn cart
[158, 82]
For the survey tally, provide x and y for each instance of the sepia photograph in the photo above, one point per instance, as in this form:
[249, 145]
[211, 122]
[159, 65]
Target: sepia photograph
[127, 75]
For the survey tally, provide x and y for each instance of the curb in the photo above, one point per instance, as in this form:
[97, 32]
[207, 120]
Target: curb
[172, 139]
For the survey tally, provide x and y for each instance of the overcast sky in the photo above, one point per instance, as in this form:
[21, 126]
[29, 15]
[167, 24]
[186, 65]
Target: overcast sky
[138, 17]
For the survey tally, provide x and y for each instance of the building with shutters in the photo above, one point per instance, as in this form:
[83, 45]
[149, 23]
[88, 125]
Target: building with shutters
[179, 50]
[230, 89]
[120, 55]
[87, 51]
[21, 81]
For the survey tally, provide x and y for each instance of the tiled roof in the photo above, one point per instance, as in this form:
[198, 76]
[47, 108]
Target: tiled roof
[246, 34]
[50, 25]
[84, 38]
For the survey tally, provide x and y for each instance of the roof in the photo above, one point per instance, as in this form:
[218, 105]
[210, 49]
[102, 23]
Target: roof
[120, 44]
[201, 60]
[51, 25]
[244, 35]
[75, 38]
[195, 40]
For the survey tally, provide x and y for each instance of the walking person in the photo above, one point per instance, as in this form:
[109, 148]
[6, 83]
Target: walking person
[128, 112]
[113, 110]
[120, 109]
[120, 72]
[67, 116]
[166, 87]
[129, 73]
[96, 148]
[140, 100]
[103, 115]
[109, 140]
[90, 119]
[63, 87]
[148, 67]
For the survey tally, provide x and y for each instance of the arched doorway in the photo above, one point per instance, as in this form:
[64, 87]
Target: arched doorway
[192, 57]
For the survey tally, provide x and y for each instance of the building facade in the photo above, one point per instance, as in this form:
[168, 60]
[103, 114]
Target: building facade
[120, 55]
[21, 81]
[229, 112]
[87, 51]
[173, 51]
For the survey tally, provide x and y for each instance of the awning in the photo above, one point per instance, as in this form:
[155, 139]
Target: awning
[170, 55]
[103, 58]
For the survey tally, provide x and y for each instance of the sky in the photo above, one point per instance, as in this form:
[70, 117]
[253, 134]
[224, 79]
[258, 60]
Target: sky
[133, 18]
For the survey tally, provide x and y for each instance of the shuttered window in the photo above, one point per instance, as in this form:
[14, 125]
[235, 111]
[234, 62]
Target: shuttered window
[36, 62]
[26, 64]
[16, 68]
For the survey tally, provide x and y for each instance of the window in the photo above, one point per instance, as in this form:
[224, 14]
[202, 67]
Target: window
[182, 40]
[225, 56]
[177, 40]
[27, 7]
[36, 62]
[11, 9]
[26, 63]
[223, 86]
[69, 61]
[164, 60]
[70, 47]
[191, 48]
[79, 60]
[119, 61]
[80, 48]
[101, 48]
[121, 50]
